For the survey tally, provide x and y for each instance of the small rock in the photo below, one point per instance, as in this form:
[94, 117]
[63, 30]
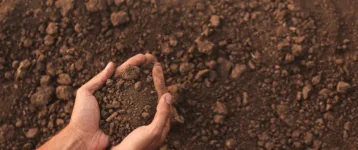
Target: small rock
[166, 49]
[23, 68]
[79, 64]
[289, 58]
[245, 100]
[238, 70]
[138, 86]
[130, 73]
[297, 50]
[119, 18]
[219, 119]
[306, 91]
[205, 46]
[186, 67]
[316, 79]
[96, 5]
[224, 67]
[174, 68]
[220, 108]
[214, 21]
[27, 42]
[52, 28]
[18, 123]
[230, 143]
[175, 115]
[201, 74]
[60, 122]
[251, 65]
[308, 138]
[65, 5]
[31, 133]
[109, 82]
[145, 115]
[64, 92]
[45, 80]
[347, 126]
[343, 87]
[112, 116]
[49, 40]
[64, 79]
[27, 146]
[176, 91]
[42, 96]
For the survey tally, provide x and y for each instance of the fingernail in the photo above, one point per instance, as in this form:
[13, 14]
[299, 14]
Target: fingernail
[168, 99]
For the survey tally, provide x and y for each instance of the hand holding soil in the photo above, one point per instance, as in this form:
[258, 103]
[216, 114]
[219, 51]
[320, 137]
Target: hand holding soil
[83, 131]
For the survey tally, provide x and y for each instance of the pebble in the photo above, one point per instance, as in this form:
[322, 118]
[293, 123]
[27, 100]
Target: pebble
[238, 70]
[343, 87]
[52, 28]
[205, 46]
[64, 79]
[224, 67]
[22, 69]
[112, 116]
[27, 42]
[230, 143]
[306, 91]
[219, 119]
[186, 67]
[297, 50]
[308, 138]
[42, 96]
[49, 40]
[220, 108]
[214, 20]
[64, 92]
[201, 74]
[60, 122]
[138, 86]
[130, 73]
[119, 18]
[145, 115]
[109, 82]
[31, 133]
[45, 80]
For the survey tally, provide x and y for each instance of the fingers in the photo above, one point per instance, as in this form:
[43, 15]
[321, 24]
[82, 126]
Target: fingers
[97, 81]
[136, 60]
[165, 130]
[159, 81]
[163, 113]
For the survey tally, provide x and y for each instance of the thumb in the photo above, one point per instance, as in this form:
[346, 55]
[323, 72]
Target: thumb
[163, 112]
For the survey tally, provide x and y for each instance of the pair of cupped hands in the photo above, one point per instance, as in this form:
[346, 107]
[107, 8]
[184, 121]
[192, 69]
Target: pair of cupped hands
[83, 130]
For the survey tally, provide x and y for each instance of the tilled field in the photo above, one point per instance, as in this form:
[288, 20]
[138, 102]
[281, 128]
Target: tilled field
[247, 74]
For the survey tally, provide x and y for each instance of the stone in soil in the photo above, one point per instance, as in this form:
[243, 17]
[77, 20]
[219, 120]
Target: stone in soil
[42, 96]
[64, 79]
[343, 87]
[205, 46]
[214, 20]
[64, 92]
[119, 18]
[238, 70]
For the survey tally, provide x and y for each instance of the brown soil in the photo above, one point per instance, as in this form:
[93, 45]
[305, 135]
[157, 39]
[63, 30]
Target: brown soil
[255, 74]
[126, 104]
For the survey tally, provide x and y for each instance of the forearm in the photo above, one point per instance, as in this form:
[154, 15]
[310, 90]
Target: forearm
[66, 139]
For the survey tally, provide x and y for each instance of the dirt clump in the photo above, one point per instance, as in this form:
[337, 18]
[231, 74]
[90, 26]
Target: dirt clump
[127, 102]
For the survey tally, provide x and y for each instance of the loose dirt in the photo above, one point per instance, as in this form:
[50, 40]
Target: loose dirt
[248, 74]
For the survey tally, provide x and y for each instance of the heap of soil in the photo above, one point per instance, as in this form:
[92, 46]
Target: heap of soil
[126, 103]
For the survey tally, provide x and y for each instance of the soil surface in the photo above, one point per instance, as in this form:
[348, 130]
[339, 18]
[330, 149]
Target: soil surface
[248, 74]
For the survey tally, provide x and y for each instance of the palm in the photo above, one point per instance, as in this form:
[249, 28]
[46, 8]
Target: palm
[86, 112]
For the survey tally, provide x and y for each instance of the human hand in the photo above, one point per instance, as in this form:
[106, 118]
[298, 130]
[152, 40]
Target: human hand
[83, 130]
[153, 135]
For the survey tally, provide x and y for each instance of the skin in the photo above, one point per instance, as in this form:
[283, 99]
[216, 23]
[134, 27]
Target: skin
[83, 130]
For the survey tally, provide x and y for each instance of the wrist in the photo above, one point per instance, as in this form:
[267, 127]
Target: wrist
[68, 138]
